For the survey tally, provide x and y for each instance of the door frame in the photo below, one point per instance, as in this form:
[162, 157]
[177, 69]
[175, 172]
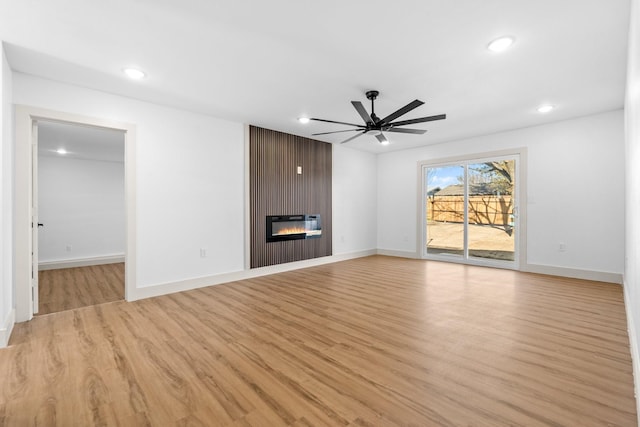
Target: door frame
[521, 182]
[35, 221]
[25, 117]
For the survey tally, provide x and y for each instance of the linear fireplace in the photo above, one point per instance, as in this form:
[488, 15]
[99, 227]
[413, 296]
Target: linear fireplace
[293, 227]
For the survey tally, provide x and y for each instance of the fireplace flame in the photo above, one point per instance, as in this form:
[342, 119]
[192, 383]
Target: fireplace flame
[290, 230]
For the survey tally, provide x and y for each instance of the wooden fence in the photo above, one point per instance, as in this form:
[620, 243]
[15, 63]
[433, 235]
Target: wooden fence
[483, 209]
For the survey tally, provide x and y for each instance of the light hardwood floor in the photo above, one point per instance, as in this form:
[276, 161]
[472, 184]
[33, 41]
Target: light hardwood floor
[374, 341]
[68, 288]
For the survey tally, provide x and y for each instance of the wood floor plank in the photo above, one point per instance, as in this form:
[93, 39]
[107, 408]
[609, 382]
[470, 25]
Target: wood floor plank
[69, 288]
[376, 341]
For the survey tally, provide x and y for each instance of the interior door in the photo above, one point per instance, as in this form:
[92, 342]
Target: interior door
[34, 219]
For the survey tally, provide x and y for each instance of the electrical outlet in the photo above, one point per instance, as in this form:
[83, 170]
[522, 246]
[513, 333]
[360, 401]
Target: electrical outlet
[341, 239]
[562, 247]
[68, 248]
[203, 252]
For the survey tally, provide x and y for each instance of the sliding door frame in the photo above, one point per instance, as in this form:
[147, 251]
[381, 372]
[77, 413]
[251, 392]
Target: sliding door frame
[521, 195]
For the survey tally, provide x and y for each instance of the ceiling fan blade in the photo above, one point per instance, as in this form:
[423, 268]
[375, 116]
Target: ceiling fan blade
[339, 123]
[401, 130]
[420, 120]
[363, 113]
[404, 110]
[381, 138]
[352, 138]
[337, 131]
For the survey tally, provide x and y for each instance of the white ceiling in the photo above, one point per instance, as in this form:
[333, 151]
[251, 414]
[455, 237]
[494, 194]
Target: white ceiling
[80, 142]
[268, 62]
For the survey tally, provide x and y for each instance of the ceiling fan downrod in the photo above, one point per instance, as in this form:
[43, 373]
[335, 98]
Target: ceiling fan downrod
[372, 95]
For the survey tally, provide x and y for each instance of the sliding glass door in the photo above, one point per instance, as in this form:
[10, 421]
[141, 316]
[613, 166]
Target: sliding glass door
[471, 211]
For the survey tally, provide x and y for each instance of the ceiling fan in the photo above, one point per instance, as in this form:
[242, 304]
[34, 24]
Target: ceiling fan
[375, 125]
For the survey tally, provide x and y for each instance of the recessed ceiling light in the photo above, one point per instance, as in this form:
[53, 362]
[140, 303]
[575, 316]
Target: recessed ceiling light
[385, 142]
[546, 108]
[303, 120]
[134, 73]
[61, 151]
[501, 44]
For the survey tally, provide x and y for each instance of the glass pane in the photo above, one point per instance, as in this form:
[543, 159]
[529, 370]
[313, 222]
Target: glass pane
[491, 198]
[445, 210]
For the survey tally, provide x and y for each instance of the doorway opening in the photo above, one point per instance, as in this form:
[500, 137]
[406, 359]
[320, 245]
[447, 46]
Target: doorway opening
[27, 120]
[79, 193]
[470, 210]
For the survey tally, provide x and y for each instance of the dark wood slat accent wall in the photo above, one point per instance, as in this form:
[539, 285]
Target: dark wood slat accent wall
[277, 189]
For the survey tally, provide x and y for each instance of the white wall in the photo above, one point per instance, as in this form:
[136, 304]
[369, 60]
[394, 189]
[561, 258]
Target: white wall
[575, 191]
[190, 180]
[354, 200]
[6, 202]
[190, 186]
[632, 194]
[82, 207]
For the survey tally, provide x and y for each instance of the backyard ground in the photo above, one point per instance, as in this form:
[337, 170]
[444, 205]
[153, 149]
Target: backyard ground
[484, 241]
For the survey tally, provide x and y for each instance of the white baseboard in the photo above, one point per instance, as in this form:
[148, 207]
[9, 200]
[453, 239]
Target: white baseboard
[80, 262]
[599, 276]
[401, 254]
[6, 328]
[200, 282]
[633, 346]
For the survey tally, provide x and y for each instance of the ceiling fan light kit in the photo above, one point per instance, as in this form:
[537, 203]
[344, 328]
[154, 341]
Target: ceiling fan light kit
[375, 126]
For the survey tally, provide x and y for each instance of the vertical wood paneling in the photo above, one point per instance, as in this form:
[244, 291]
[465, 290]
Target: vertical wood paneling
[277, 189]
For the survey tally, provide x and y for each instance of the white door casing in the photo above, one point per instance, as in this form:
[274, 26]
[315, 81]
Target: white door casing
[25, 117]
[34, 218]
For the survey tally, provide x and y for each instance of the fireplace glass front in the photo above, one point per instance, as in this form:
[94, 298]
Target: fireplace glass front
[293, 227]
